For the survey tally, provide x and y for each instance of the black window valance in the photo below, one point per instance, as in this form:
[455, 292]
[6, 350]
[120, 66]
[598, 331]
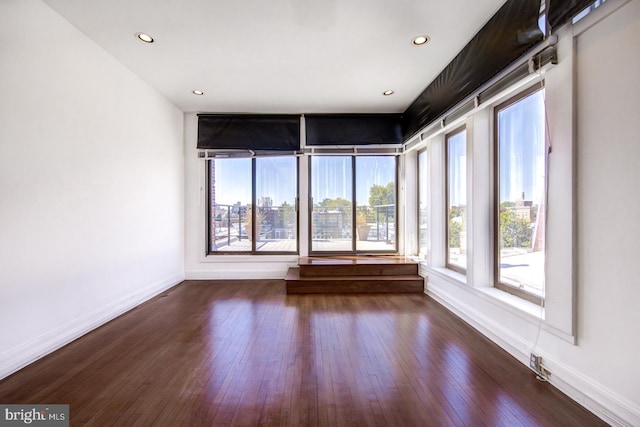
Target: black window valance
[353, 129]
[249, 132]
[562, 11]
[508, 35]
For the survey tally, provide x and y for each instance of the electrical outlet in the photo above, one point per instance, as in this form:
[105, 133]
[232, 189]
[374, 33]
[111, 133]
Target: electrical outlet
[535, 362]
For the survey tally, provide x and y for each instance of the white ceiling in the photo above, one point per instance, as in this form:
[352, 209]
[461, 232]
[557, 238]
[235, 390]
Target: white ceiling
[282, 56]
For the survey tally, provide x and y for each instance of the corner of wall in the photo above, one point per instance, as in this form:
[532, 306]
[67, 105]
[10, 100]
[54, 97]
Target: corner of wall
[34, 349]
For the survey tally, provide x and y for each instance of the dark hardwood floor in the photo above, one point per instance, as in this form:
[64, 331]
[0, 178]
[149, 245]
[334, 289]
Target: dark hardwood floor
[244, 353]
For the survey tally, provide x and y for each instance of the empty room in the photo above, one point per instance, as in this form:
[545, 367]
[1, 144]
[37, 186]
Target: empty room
[319, 213]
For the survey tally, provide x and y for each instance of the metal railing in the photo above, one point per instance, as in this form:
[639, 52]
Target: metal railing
[230, 222]
[386, 212]
[336, 222]
[227, 215]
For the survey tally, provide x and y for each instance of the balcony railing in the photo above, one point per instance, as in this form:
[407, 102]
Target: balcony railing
[333, 223]
[230, 227]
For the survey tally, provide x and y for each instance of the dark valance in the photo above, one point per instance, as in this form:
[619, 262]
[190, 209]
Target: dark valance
[562, 11]
[508, 35]
[249, 132]
[353, 129]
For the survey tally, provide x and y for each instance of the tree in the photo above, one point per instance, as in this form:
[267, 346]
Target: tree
[337, 204]
[457, 225]
[286, 215]
[456, 211]
[455, 228]
[515, 232]
[382, 194]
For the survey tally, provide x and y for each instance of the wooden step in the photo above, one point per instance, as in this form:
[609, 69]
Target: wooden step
[297, 284]
[357, 266]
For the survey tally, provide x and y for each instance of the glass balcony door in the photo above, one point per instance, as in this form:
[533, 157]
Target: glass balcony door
[276, 217]
[353, 204]
[332, 212]
[253, 205]
[376, 204]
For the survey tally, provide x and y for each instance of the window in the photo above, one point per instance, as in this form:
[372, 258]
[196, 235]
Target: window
[521, 194]
[596, 4]
[253, 205]
[423, 219]
[376, 203]
[542, 18]
[332, 193]
[456, 193]
[354, 204]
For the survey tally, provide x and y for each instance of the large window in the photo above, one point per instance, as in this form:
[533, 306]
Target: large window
[456, 193]
[376, 203]
[520, 194]
[354, 204]
[332, 195]
[423, 218]
[253, 205]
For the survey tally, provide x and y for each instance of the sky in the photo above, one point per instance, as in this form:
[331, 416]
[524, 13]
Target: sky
[331, 176]
[276, 178]
[521, 135]
[457, 158]
[233, 181]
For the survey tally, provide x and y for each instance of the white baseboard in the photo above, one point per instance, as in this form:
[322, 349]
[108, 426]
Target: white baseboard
[510, 342]
[601, 401]
[246, 274]
[28, 352]
[242, 267]
[604, 403]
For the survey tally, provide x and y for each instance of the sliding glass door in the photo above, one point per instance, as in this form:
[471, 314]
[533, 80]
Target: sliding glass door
[276, 192]
[376, 203]
[353, 204]
[332, 213]
[253, 205]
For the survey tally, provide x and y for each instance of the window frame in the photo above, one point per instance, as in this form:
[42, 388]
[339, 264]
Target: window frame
[505, 286]
[447, 138]
[422, 183]
[253, 251]
[354, 243]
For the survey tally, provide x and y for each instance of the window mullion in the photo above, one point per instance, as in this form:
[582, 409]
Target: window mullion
[354, 207]
[254, 206]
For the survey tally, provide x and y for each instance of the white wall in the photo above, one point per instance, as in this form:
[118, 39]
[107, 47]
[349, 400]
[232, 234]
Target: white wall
[608, 94]
[91, 185]
[593, 106]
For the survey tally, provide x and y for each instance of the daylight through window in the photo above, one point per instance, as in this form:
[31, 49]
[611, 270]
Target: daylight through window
[423, 217]
[520, 194]
[243, 222]
[456, 228]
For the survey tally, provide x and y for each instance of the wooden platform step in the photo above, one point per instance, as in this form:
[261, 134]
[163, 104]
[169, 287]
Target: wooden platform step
[357, 266]
[297, 284]
[354, 275]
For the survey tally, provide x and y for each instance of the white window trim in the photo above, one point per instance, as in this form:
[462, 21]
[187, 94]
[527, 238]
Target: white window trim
[557, 316]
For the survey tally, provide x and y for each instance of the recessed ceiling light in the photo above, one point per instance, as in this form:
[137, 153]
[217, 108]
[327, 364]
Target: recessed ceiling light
[420, 40]
[388, 92]
[197, 92]
[143, 37]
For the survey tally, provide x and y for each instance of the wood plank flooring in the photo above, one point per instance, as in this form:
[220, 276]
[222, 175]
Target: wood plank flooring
[243, 353]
